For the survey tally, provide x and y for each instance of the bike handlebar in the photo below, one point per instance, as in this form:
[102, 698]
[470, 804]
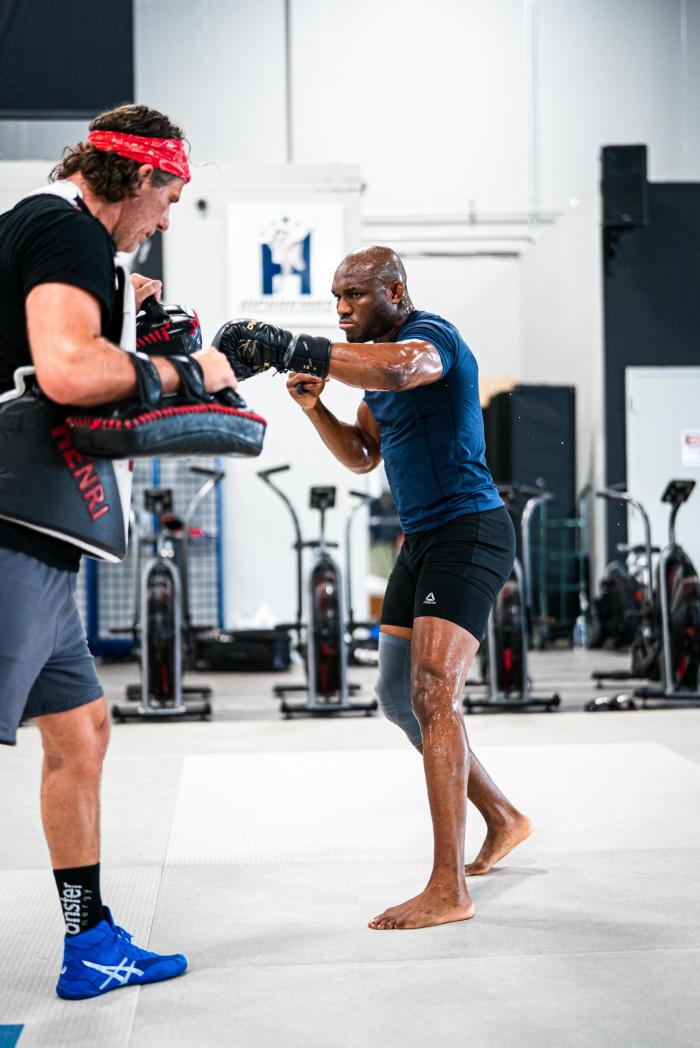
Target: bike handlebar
[522, 489]
[265, 473]
[204, 471]
[617, 494]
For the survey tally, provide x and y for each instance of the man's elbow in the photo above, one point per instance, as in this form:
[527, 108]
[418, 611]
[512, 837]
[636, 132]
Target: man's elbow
[370, 462]
[399, 377]
[61, 385]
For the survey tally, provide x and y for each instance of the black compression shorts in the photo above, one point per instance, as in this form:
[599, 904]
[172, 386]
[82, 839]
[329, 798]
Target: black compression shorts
[453, 572]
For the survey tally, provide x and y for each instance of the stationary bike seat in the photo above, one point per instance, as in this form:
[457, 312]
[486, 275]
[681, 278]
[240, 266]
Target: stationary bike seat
[173, 522]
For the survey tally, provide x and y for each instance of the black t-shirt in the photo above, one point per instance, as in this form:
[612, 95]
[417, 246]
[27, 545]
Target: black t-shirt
[46, 239]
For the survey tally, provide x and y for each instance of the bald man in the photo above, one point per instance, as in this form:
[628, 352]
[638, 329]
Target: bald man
[421, 415]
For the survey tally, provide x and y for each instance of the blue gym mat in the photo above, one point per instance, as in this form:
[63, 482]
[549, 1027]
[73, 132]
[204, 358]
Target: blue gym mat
[9, 1036]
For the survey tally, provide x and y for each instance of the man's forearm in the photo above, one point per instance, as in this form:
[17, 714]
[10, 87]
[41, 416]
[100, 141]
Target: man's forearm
[391, 366]
[344, 441]
[100, 373]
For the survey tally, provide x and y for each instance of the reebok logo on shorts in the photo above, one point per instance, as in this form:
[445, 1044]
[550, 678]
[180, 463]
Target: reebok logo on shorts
[430, 599]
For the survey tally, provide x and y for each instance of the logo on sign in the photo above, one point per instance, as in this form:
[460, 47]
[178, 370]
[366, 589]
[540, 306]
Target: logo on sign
[286, 258]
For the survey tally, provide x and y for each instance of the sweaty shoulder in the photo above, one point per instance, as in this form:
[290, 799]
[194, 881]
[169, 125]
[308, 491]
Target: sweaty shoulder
[429, 327]
[58, 243]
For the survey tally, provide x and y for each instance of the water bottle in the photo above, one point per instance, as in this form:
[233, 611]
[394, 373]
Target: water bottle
[580, 633]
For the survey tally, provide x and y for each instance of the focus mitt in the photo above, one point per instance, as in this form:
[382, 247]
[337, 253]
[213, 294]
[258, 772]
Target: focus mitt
[190, 422]
[167, 329]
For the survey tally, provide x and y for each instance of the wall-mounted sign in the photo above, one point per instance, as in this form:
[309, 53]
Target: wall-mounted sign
[690, 447]
[281, 261]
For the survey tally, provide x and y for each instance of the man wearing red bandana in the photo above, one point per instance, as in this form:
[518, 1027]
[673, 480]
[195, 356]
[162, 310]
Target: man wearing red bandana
[65, 312]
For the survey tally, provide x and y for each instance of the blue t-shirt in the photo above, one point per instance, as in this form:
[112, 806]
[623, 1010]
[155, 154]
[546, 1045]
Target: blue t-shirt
[432, 437]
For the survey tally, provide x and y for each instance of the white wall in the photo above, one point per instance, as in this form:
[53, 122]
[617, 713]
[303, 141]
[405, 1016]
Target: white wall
[18, 179]
[660, 404]
[615, 72]
[38, 139]
[443, 103]
[562, 320]
[217, 68]
[428, 96]
[482, 296]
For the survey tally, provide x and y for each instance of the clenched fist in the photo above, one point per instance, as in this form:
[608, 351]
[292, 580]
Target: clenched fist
[305, 389]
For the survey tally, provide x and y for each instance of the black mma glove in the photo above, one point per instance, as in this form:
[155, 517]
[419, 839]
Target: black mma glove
[253, 346]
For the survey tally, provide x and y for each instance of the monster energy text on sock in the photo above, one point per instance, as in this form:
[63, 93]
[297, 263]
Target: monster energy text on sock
[73, 897]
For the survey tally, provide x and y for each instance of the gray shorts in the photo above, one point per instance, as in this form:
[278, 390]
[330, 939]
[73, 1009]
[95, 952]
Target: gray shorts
[45, 663]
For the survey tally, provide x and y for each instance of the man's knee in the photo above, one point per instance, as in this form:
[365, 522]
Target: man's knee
[99, 736]
[433, 693]
[393, 686]
[77, 739]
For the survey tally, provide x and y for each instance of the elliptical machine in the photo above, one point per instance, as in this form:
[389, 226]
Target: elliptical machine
[503, 655]
[666, 646]
[162, 624]
[325, 648]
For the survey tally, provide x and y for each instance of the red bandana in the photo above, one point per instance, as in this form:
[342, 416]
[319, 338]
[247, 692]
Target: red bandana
[167, 154]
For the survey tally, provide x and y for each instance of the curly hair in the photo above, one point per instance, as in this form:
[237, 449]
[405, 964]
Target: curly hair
[109, 175]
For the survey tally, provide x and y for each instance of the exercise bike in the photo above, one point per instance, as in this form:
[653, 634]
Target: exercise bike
[612, 612]
[666, 645]
[644, 644]
[503, 655]
[363, 636]
[322, 642]
[162, 625]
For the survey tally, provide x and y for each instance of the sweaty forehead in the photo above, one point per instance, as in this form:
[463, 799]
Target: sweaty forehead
[361, 273]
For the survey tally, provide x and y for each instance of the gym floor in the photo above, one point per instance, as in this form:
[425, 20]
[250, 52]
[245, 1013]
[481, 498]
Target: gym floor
[260, 847]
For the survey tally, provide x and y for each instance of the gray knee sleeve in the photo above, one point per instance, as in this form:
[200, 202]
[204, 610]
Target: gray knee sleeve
[393, 688]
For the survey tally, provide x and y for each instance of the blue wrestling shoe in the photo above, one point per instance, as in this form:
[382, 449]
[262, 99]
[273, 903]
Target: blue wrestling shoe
[104, 958]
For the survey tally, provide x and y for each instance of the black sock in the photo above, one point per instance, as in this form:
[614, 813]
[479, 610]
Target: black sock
[81, 902]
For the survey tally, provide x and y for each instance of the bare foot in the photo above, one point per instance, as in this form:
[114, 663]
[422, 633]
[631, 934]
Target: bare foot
[499, 842]
[431, 907]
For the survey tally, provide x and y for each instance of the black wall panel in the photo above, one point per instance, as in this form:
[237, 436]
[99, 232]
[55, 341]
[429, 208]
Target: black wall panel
[652, 310]
[149, 260]
[65, 58]
[531, 439]
[625, 186]
[531, 436]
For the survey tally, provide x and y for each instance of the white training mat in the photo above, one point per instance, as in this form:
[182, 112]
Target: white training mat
[372, 805]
